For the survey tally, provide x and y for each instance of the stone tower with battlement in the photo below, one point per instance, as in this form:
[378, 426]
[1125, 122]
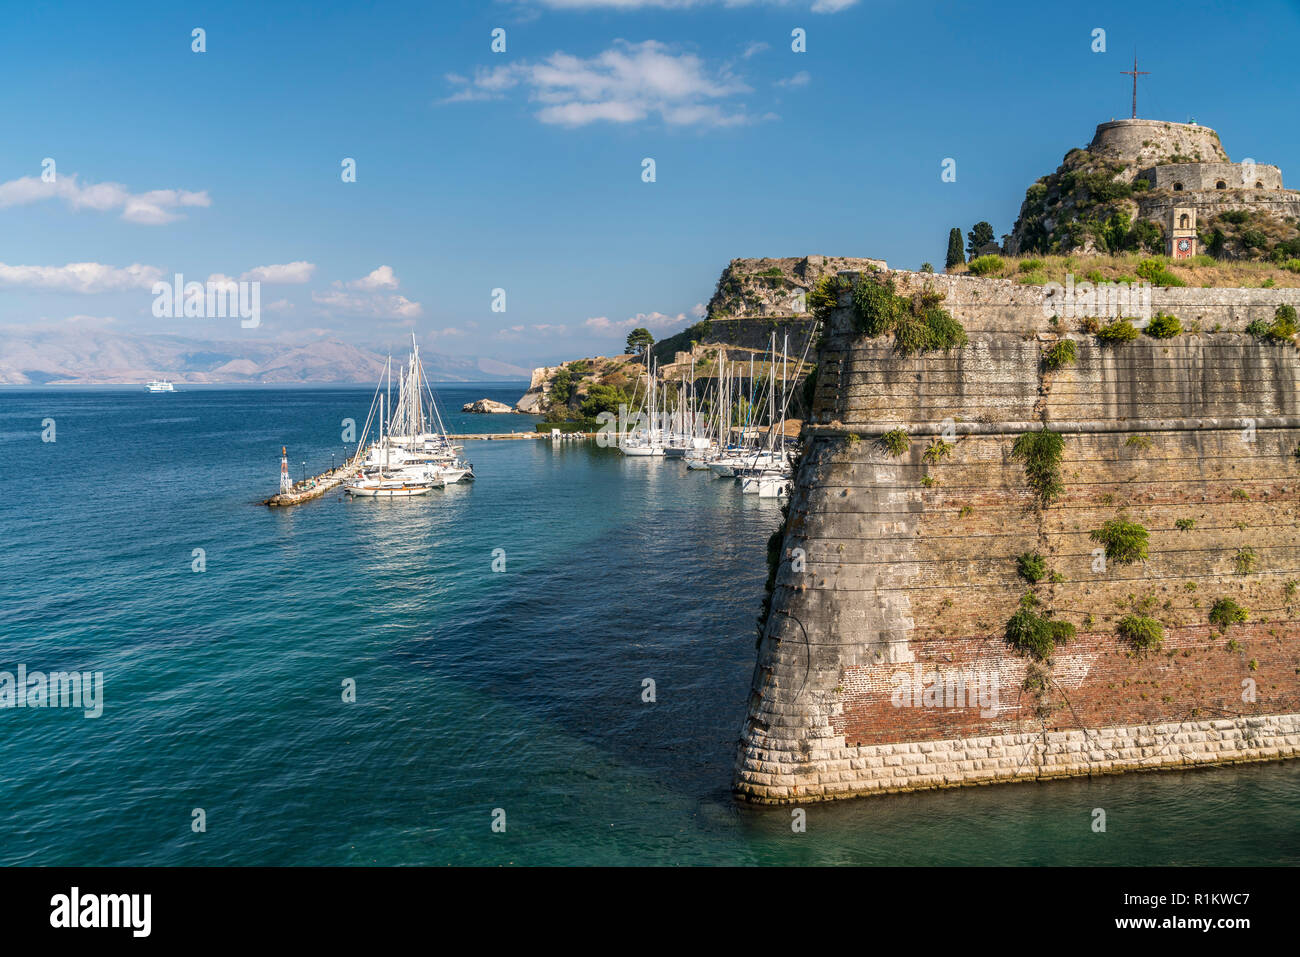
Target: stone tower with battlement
[1148, 169]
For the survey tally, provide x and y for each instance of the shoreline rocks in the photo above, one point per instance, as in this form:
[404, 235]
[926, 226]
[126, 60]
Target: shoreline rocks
[487, 407]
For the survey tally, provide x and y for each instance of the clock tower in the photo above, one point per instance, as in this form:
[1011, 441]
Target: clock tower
[1182, 232]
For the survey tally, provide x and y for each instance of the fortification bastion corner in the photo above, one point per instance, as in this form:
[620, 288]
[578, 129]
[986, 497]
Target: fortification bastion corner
[884, 663]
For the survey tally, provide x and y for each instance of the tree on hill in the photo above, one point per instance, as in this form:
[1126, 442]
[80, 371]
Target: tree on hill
[955, 256]
[981, 235]
[603, 398]
[639, 341]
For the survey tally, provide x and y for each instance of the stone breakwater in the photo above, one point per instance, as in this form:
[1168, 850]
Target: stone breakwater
[895, 570]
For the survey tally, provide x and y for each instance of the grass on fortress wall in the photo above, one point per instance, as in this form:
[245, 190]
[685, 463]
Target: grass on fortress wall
[1200, 271]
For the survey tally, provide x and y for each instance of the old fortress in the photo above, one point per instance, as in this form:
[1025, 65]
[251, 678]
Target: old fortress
[1179, 177]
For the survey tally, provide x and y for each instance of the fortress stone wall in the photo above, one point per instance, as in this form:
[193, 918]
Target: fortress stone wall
[883, 666]
[1145, 143]
[1207, 176]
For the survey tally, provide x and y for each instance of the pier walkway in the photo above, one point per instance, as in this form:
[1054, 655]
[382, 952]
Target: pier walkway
[316, 486]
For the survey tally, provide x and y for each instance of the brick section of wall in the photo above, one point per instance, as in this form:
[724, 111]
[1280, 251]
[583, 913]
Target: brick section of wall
[897, 571]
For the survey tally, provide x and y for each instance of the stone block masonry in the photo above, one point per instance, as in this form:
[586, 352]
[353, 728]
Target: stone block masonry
[883, 667]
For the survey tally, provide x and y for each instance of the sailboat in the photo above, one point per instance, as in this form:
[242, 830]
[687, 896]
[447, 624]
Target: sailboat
[650, 444]
[390, 480]
[767, 472]
[413, 454]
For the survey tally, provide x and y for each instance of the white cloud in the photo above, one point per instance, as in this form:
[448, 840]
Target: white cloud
[488, 84]
[372, 306]
[381, 278]
[754, 49]
[547, 329]
[802, 78]
[366, 297]
[648, 320]
[294, 273]
[152, 208]
[624, 84]
[280, 305]
[80, 277]
[450, 332]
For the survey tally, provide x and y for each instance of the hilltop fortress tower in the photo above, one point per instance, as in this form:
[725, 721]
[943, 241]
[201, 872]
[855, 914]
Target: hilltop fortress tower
[1175, 176]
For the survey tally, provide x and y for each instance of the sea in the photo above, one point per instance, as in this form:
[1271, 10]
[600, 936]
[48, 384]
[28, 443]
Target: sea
[547, 666]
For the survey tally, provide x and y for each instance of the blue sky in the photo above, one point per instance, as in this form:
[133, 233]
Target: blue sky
[522, 170]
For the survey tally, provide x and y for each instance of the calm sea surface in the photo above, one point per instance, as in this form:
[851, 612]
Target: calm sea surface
[476, 690]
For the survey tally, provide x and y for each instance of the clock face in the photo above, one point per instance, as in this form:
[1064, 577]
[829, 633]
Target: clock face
[1184, 245]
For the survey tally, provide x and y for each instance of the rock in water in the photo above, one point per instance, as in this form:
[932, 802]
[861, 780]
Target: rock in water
[486, 405]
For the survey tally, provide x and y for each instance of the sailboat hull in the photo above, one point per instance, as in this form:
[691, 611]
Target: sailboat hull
[405, 491]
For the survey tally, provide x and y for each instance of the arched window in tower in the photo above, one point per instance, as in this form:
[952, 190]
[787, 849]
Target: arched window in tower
[1259, 185]
[1183, 221]
[1178, 187]
[1220, 185]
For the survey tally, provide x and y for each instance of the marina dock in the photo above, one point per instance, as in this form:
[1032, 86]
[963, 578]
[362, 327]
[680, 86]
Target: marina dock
[316, 486]
[491, 436]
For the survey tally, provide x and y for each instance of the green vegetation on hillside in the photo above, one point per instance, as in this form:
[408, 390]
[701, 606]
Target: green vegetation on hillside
[1086, 205]
[1129, 267]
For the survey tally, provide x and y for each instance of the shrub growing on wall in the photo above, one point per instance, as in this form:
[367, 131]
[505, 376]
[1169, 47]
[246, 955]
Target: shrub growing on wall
[825, 296]
[895, 441]
[1226, 613]
[1164, 327]
[1041, 454]
[1031, 566]
[919, 323]
[1062, 354]
[1125, 542]
[1144, 633]
[1034, 634]
[1282, 329]
[936, 451]
[1121, 330]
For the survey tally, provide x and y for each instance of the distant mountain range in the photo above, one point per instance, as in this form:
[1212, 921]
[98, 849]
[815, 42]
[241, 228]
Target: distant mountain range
[97, 357]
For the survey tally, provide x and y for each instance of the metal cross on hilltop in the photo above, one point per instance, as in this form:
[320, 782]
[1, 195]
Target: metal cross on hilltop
[1135, 73]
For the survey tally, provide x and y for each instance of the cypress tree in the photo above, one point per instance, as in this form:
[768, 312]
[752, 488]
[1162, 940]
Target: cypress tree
[955, 256]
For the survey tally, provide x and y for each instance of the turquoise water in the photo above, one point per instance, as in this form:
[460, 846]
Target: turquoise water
[476, 690]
